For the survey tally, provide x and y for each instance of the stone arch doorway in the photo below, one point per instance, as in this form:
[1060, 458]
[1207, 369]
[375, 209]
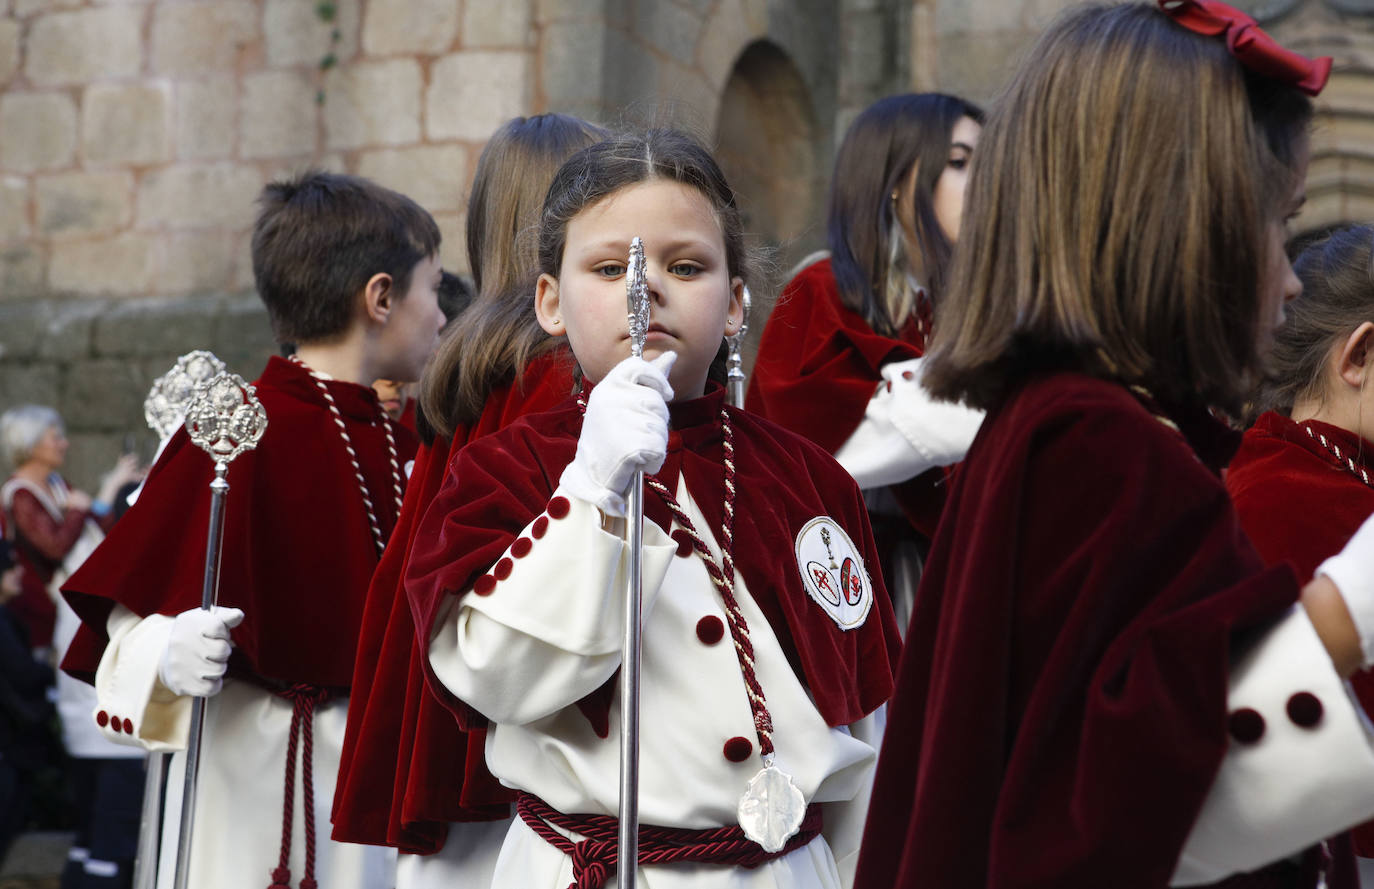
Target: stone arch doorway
[769, 145]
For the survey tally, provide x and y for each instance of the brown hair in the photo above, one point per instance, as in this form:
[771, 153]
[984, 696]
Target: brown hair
[1337, 275]
[1117, 215]
[320, 237]
[498, 334]
[600, 170]
[881, 146]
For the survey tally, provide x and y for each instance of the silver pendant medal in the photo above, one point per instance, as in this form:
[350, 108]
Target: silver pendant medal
[771, 810]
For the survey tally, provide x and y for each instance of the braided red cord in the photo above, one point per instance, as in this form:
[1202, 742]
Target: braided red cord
[724, 581]
[595, 857]
[303, 699]
[281, 875]
[378, 538]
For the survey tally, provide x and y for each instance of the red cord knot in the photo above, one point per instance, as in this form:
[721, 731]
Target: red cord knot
[281, 878]
[593, 861]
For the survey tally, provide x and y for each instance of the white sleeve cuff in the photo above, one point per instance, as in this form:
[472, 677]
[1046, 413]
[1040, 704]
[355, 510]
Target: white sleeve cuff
[132, 706]
[1300, 765]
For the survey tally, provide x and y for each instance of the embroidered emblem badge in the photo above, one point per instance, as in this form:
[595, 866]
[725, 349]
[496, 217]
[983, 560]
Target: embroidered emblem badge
[833, 572]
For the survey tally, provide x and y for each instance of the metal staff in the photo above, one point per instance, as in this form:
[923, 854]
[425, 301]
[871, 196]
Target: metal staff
[734, 375]
[637, 300]
[224, 420]
[164, 409]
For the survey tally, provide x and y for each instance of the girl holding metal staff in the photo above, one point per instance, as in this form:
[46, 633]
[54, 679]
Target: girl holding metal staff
[767, 638]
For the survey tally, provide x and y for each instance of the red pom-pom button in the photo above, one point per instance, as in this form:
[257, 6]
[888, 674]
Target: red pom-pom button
[102, 719]
[908, 375]
[521, 547]
[540, 526]
[115, 725]
[710, 629]
[738, 749]
[128, 726]
[558, 507]
[684, 542]
[503, 569]
[485, 585]
[1246, 725]
[1305, 709]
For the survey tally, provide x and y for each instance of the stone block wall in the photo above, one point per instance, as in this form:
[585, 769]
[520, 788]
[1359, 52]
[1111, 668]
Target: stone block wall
[95, 359]
[135, 135]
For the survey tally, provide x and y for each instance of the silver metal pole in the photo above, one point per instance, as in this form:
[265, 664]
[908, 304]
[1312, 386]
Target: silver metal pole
[165, 408]
[627, 845]
[210, 582]
[150, 824]
[225, 420]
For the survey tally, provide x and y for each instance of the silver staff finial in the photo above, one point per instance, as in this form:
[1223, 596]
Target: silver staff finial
[637, 298]
[172, 392]
[225, 418]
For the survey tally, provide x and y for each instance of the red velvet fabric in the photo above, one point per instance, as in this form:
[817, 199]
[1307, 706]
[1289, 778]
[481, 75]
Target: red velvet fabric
[407, 769]
[500, 484]
[1061, 702]
[298, 551]
[1300, 505]
[819, 364]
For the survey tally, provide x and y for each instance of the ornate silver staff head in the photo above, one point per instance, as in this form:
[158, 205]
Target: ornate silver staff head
[637, 298]
[225, 418]
[171, 394]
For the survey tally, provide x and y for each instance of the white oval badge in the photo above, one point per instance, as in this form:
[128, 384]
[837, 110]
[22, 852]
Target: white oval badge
[833, 572]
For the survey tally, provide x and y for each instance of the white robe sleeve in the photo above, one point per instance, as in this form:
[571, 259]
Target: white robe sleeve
[843, 826]
[1300, 766]
[542, 629]
[905, 432]
[133, 706]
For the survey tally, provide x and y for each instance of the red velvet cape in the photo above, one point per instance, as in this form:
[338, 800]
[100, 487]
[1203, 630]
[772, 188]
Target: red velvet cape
[819, 364]
[1061, 702]
[1299, 505]
[501, 483]
[298, 552]
[407, 768]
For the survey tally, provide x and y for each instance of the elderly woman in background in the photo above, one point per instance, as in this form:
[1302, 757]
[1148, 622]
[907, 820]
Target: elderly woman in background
[54, 527]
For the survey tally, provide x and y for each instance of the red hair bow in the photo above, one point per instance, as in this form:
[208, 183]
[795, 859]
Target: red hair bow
[1252, 47]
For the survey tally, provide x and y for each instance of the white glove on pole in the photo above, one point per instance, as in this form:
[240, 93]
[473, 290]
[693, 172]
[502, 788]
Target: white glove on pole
[625, 429]
[1352, 571]
[197, 652]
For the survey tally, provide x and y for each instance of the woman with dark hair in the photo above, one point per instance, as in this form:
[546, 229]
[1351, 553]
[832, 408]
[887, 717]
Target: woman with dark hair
[839, 361]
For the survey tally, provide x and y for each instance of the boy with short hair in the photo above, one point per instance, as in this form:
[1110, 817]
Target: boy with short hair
[348, 272]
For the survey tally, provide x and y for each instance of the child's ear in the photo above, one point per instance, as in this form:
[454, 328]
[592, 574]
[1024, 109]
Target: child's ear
[1353, 362]
[548, 308]
[734, 313]
[378, 297]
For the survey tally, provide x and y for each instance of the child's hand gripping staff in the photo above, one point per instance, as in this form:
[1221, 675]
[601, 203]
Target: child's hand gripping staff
[225, 419]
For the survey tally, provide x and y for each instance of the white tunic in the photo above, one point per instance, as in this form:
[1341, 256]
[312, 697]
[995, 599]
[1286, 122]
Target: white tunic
[549, 634]
[238, 818]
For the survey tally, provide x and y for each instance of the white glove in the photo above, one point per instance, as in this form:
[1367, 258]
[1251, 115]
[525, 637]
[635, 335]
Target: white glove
[197, 652]
[625, 429]
[1352, 571]
[940, 431]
